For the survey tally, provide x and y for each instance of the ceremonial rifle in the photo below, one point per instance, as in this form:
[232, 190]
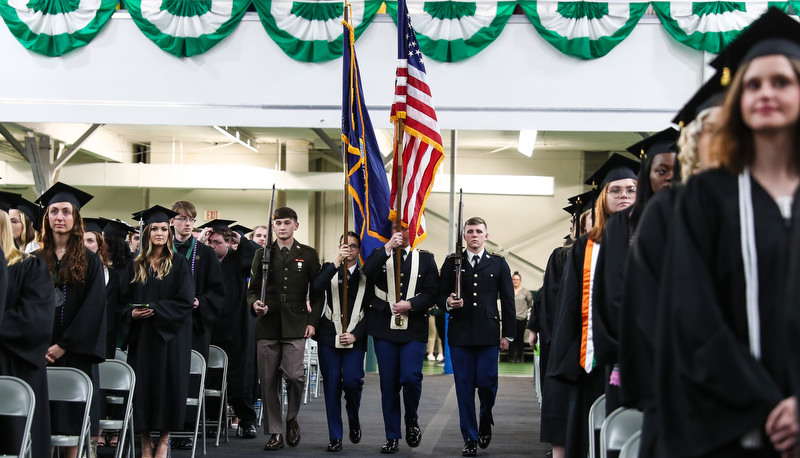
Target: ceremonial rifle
[267, 250]
[459, 244]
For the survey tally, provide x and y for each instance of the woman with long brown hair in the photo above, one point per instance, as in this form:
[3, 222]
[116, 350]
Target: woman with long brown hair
[722, 371]
[572, 351]
[161, 296]
[77, 276]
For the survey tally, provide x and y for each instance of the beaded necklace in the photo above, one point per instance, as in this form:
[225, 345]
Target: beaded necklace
[190, 253]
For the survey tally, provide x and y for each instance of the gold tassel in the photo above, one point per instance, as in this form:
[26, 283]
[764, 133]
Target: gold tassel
[725, 80]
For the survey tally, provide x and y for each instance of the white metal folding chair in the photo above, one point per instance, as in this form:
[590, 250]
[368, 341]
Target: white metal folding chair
[66, 384]
[17, 400]
[630, 449]
[121, 355]
[618, 427]
[118, 376]
[312, 369]
[597, 414]
[218, 360]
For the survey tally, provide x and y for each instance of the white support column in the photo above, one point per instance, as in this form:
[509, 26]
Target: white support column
[300, 201]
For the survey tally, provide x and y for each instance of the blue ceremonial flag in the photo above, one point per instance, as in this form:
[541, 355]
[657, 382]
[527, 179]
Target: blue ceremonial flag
[367, 182]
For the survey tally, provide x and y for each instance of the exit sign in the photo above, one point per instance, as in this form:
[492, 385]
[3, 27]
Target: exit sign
[212, 214]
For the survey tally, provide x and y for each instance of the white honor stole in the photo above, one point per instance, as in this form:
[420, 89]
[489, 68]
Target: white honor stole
[335, 315]
[401, 322]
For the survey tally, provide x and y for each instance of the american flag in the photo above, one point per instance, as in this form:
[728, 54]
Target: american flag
[422, 143]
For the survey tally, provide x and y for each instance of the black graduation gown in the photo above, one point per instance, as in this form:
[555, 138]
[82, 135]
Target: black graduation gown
[159, 349]
[80, 329]
[233, 329]
[555, 393]
[792, 329]
[209, 291]
[709, 389]
[3, 283]
[642, 288]
[24, 339]
[326, 332]
[565, 353]
[117, 328]
[607, 299]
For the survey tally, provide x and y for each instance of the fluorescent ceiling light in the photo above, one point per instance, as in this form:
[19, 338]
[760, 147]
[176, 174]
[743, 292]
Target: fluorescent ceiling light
[527, 139]
[235, 137]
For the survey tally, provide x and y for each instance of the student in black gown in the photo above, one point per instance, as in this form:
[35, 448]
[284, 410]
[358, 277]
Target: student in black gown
[700, 118]
[160, 343]
[572, 351]
[119, 260]
[657, 153]
[722, 376]
[343, 343]
[233, 329]
[555, 393]
[78, 338]
[25, 330]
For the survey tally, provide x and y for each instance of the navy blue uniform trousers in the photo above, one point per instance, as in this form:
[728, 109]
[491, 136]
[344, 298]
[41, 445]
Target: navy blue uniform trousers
[400, 366]
[474, 367]
[342, 371]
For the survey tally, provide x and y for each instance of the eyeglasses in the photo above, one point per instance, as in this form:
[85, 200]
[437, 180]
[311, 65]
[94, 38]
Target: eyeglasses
[183, 219]
[617, 191]
[353, 246]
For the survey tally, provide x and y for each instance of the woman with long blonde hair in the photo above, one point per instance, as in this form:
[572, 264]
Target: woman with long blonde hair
[572, 350]
[25, 329]
[722, 368]
[26, 221]
[160, 298]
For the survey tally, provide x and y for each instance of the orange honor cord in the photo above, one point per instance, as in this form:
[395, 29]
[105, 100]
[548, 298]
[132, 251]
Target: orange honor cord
[587, 346]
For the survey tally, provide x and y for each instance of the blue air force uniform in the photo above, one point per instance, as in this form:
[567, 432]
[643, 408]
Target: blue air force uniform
[474, 331]
[400, 353]
[342, 368]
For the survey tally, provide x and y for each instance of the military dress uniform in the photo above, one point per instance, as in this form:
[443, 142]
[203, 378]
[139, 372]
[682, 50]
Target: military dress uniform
[279, 334]
[342, 367]
[474, 333]
[400, 353]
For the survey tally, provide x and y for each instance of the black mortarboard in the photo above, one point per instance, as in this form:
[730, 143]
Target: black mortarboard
[217, 224]
[31, 210]
[61, 192]
[155, 214]
[774, 32]
[711, 94]
[660, 142]
[8, 200]
[93, 225]
[581, 202]
[617, 167]
[242, 230]
[116, 226]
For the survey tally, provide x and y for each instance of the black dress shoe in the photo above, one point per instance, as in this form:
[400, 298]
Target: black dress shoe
[413, 433]
[391, 446]
[484, 433]
[355, 432]
[292, 432]
[470, 448]
[275, 442]
[335, 445]
[184, 444]
[248, 431]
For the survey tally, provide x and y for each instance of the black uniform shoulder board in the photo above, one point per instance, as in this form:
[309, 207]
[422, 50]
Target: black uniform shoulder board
[492, 253]
[425, 251]
[452, 255]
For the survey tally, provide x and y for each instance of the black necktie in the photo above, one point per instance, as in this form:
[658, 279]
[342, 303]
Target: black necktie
[475, 260]
[285, 254]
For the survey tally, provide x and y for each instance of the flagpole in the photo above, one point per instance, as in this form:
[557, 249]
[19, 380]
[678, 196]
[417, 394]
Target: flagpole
[398, 160]
[345, 238]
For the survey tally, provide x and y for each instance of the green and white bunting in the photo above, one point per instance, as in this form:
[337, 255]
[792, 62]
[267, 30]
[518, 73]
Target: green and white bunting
[710, 26]
[587, 30]
[56, 27]
[186, 27]
[312, 31]
[450, 31]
